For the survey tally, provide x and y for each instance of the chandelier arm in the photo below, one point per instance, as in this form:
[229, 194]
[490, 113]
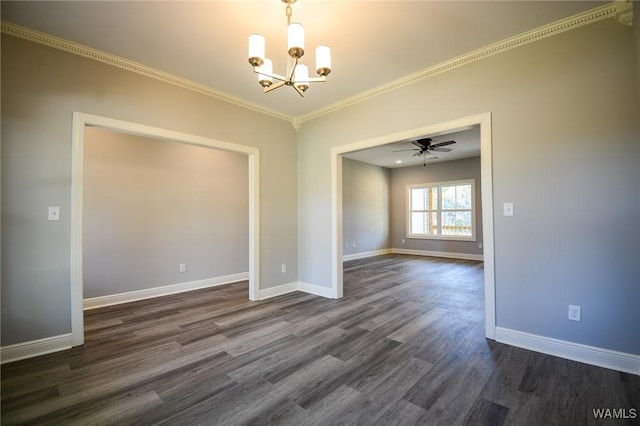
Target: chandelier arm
[317, 79]
[272, 75]
[300, 92]
[291, 72]
[274, 86]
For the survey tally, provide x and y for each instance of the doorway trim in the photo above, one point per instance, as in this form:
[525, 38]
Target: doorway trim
[486, 166]
[82, 120]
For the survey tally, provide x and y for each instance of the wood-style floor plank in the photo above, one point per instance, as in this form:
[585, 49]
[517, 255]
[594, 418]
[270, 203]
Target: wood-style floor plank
[404, 346]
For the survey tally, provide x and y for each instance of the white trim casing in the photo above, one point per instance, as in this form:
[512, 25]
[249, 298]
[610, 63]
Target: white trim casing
[80, 121]
[619, 361]
[445, 254]
[35, 348]
[149, 293]
[484, 120]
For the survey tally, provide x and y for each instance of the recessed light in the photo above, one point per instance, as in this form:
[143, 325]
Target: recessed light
[398, 161]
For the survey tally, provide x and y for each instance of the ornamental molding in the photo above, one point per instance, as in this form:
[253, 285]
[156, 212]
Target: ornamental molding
[620, 10]
[107, 58]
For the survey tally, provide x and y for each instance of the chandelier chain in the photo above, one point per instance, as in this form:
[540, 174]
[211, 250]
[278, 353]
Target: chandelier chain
[288, 13]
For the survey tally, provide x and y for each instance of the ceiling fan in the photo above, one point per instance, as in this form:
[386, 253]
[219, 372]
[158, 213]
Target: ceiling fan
[425, 147]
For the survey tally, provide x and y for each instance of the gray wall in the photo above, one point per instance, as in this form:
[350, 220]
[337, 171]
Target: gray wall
[565, 151]
[151, 205]
[434, 172]
[636, 39]
[365, 206]
[41, 87]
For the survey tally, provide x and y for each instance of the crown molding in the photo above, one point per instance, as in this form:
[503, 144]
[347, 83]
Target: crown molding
[107, 58]
[621, 10]
[625, 12]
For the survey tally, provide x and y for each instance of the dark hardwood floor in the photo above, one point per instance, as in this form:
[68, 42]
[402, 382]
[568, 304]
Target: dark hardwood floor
[405, 346]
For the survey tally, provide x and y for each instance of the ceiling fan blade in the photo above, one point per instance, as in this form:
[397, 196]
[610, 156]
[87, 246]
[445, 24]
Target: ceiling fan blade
[440, 149]
[436, 145]
[422, 143]
[401, 150]
[417, 154]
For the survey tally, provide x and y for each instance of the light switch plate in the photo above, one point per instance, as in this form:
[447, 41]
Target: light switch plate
[54, 213]
[507, 209]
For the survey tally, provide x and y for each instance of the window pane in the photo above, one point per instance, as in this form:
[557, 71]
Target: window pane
[418, 199]
[456, 223]
[463, 223]
[448, 222]
[419, 223]
[463, 197]
[448, 197]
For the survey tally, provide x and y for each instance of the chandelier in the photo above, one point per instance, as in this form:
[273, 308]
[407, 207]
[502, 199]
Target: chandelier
[297, 75]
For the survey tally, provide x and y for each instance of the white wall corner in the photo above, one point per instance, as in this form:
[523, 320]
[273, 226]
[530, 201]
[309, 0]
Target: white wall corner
[624, 12]
[318, 290]
[279, 290]
[614, 360]
[35, 348]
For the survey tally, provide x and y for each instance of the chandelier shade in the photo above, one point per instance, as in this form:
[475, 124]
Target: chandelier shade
[323, 60]
[256, 50]
[297, 74]
[295, 40]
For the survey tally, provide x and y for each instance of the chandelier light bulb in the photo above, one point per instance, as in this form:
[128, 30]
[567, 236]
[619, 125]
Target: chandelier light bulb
[301, 77]
[256, 50]
[323, 60]
[295, 38]
[265, 79]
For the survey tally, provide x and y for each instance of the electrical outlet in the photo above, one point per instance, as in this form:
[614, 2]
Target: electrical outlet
[403, 241]
[183, 267]
[479, 245]
[283, 268]
[353, 245]
[574, 312]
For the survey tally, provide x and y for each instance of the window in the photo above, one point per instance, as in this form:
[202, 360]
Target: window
[444, 210]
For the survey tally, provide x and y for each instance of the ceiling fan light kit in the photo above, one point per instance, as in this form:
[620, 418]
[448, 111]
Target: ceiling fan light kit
[297, 75]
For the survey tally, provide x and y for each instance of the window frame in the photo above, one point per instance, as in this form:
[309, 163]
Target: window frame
[439, 210]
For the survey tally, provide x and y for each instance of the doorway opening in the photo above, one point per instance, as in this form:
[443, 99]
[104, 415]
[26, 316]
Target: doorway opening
[481, 120]
[80, 122]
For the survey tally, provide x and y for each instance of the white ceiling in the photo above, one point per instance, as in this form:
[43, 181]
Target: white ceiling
[467, 145]
[372, 42]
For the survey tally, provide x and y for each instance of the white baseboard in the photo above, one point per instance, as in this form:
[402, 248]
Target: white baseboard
[365, 254]
[34, 348]
[279, 290]
[619, 361]
[268, 293]
[131, 296]
[317, 290]
[450, 255]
